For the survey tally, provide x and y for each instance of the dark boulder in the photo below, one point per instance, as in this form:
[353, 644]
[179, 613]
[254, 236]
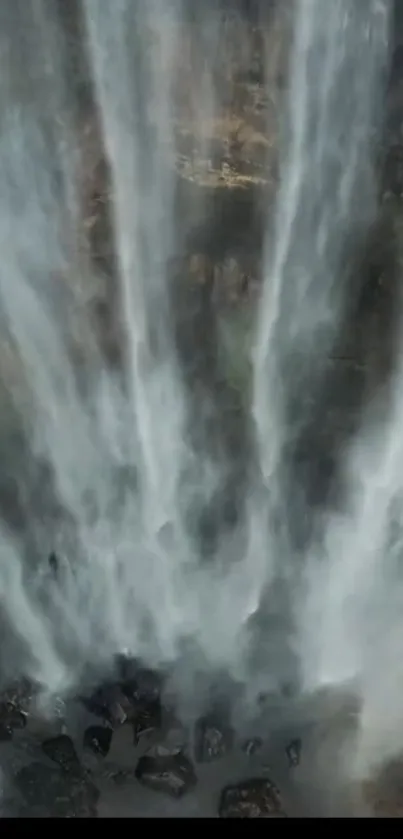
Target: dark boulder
[110, 703]
[170, 774]
[148, 718]
[257, 798]
[142, 688]
[61, 750]
[135, 698]
[98, 739]
[213, 739]
[140, 684]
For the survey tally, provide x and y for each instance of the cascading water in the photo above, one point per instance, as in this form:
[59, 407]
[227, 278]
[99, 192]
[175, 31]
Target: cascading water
[113, 445]
[88, 433]
[326, 201]
[326, 197]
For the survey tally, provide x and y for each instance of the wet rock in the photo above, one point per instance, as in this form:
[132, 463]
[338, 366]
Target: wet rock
[61, 750]
[213, 739]
[98, 739]
[251, 746]
[140, 684]
[293, 752]
[142, 690]
[171, 774]
[148, 717]
[135, 699]
[48, 792]
[256, 798]
[111, 704]
[11, 719]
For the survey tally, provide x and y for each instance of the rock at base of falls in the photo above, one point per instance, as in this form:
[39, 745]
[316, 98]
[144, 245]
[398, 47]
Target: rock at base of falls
[61, 750]
[140, 684]
[256, 798]
[11, 719]
[173, 775]
[111, 704]
[213, 739]
[98, 739]
[134, 699]
[50, 792]
[148, 718]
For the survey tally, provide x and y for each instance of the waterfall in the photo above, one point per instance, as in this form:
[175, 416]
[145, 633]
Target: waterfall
[325, 205]
[121, 555]
[102, 461]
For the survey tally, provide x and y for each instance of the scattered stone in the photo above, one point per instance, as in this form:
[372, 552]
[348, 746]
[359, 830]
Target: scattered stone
[48, 792]
[213, 739]
[171, 774]
[61, 750]
[293, 752]
[251, 746]
[98, 739]
[257, 798]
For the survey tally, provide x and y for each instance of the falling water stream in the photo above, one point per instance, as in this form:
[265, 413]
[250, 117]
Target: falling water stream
[109, 465]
